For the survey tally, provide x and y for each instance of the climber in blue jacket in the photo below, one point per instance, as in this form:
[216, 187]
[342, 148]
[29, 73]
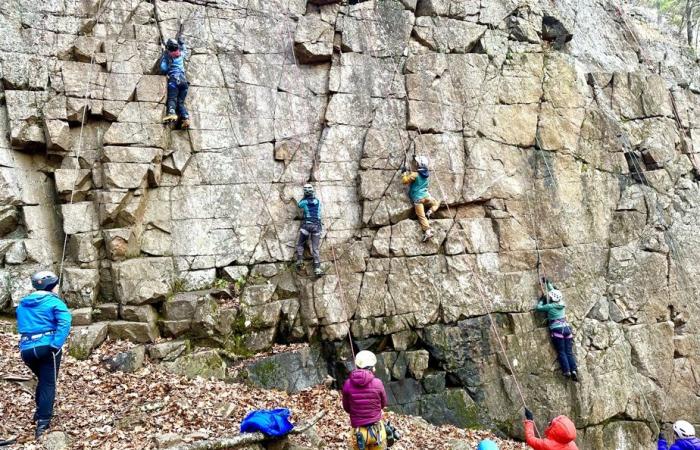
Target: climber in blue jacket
[172, 64]
[684, 433]
[43, 321]
[311, 228]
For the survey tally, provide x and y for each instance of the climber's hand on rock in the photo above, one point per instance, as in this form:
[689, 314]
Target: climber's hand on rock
[661, 436]
[528, 414]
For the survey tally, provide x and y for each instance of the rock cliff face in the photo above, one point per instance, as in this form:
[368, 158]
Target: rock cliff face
[563, 131]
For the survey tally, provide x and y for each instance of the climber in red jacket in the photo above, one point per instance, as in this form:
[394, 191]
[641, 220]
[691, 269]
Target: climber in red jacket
[559, 435]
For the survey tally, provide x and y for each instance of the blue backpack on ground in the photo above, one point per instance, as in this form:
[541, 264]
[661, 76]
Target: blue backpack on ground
[272, 422]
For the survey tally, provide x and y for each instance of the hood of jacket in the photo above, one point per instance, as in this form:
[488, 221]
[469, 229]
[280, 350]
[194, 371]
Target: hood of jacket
[36, 298]
[562, 430]
[361, 377]
[692, 443]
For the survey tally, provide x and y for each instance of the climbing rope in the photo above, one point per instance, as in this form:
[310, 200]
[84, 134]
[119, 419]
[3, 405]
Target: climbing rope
[98, 13]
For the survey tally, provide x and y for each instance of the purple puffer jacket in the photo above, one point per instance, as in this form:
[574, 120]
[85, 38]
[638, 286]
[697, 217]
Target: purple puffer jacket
[363, 398]
[681, 444]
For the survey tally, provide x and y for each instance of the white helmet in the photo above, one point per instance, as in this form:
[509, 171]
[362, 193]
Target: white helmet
[422, 162]
[556, 296]
[365, 359]
[308, 190]
[683, 429]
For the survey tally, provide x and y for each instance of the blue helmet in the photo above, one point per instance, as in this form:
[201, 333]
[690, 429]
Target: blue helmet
[44, 280]
[487, 444]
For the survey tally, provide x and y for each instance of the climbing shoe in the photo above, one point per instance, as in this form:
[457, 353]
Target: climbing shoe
[429, 233]
[429, 213]
[171, 117]
[298, 266]
[567, 374]
[41, 427]
[185, 124]
[318, 272]
[574, 376]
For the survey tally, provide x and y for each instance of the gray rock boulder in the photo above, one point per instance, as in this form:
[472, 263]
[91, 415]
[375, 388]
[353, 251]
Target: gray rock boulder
[128, 361]
[291, 371]
[84, 339]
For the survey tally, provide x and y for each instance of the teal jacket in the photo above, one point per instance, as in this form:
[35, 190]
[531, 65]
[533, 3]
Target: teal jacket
[556, 313]
[311, 209]
[419, 184]
[42, 319]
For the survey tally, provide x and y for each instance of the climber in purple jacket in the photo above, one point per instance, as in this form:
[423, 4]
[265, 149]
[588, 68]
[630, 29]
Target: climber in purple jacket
[364, 399]
[684, 433]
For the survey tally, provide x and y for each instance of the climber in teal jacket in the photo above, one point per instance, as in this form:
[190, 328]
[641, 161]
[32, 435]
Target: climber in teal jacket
[419, 181]
[552, 303]
[310, 230]
[43, 321]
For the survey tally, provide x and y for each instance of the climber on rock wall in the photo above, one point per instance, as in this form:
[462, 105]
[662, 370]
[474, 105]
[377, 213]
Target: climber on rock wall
[364, 399]
[559, 435]
[311, 228]
[684, 434]
[552, 303]
[172, 64]
[418, 179]
[43, 321]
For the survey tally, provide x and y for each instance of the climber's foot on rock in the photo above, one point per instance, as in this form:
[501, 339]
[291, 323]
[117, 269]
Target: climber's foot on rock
[429, 233]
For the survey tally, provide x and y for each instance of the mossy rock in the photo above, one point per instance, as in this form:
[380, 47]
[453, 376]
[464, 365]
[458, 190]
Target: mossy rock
[205, 364]
[452, 406]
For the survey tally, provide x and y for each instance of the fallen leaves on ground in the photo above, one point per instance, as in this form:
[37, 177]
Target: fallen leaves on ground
[100, 409]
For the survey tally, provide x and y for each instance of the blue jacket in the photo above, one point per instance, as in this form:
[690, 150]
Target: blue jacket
[681, 444]
[312, 209]
[419, 184]
[42, 312]
[174, 67]
[272, 422]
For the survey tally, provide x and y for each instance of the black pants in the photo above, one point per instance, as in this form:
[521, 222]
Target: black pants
[44, 362]
[563, 341]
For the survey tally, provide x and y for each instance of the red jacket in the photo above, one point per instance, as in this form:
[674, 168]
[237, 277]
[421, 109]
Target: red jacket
[560, 435]
[363, 398]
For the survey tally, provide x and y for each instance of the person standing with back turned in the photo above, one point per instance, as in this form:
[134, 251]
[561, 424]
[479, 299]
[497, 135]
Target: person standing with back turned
[364, 399]
[43, 321]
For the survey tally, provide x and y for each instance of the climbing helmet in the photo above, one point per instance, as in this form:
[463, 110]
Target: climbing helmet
[308, 190]
[556, 296]
[44, 280]
[365, 359]
[172, 45]
[422, 162]
[683, 429]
